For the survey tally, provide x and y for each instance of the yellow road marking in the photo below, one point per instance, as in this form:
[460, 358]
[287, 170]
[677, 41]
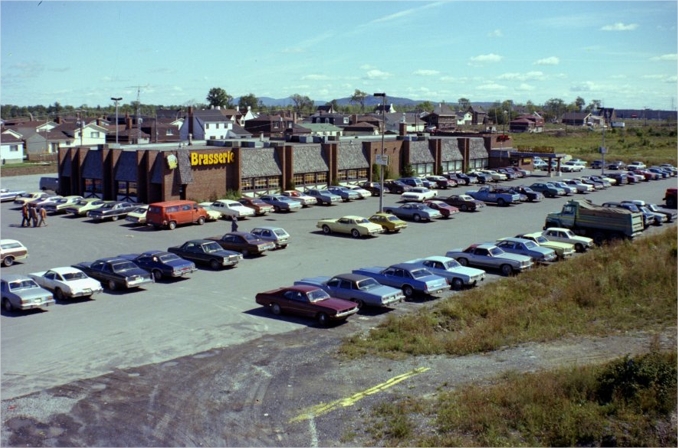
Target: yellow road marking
[323, 408]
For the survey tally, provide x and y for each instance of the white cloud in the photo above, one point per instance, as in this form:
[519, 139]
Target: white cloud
[377, 74]
[315, 77]
[522, 76]
[525, 88]
[665, 57]
[426, 72]
[552, 60]
[487, 58]
[492, 86]
[620, 27]
[495, 33]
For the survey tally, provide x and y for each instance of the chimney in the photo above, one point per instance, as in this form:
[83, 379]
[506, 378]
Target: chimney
[128, 122]
[402, 128]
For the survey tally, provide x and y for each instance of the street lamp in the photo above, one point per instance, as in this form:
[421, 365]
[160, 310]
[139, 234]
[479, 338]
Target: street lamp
[116, 118]
[382, 162]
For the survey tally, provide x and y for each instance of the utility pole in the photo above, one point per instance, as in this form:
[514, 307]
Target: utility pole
[382, 162]
[116, 117]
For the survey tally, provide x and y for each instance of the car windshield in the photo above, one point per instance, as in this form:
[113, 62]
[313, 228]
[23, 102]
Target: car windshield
[451, 264]
[123, 266]
[22, 284]
[367, 284]
[317, 295]
[541, 239]
[495, 252]
[74, 276]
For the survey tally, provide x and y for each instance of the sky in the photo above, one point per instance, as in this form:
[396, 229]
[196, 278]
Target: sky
[173, 52]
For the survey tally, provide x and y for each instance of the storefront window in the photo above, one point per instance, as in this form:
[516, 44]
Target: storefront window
[94, 188]
[127, 191]
[247, 184]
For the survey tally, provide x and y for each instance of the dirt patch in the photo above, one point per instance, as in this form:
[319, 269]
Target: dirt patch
[283, 390]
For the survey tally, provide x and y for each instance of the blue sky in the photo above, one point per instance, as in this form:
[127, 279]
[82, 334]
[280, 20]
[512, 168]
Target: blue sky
[75, 53]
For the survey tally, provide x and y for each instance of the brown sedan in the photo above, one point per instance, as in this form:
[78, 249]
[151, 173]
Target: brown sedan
[260, 207]
[243, 242]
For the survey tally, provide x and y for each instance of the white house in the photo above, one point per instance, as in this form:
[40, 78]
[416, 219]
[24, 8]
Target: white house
[11, 147]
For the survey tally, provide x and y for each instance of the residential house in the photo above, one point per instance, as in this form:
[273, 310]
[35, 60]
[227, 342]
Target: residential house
[464, 118]
[11, 147]
[361, 129]
[479, 115]
[527, 123]
[206, 125]
[326, 109]
[576, 118]
[321, 129]
[329, 118]
[443, 118]
[386, 108]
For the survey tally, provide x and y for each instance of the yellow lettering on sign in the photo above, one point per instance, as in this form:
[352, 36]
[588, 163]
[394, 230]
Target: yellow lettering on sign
[198, 159]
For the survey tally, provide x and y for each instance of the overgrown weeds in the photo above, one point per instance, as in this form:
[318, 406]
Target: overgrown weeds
[621, 287]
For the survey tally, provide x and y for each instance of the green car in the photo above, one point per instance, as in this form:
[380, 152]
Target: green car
[390, 223]
[85, 205]
[563, 250]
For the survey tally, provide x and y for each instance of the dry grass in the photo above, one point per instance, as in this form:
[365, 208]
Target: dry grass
[626, 286]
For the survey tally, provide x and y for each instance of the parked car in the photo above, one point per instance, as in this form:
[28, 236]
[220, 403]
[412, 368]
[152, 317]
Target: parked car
[112, 210]
[260, 207]
[356, 226]
[344, 193]
[653, 218]
[360, 289]
[620, 177]
[457, 276]
[116, 273]
[571, 167]
[324, 197]
[390, 223]
[442, 182]
[414, 211]
[618, 165]
[418, 194]
[580, 186]
[605, 180]
[229, 208]
[562, 235]
[304, 199]
[569, 189]
[20, 292]
[634, 178]
[494, 175]
[563, 250]
[461, 178]
[529, 248]
[84, 206]
[670, 214]
[281, 203]
[463, 202]
[396, 187]
[307, 301]
[11, 251]
[60, 205]
[138, 215]
[409, 278]
[636, 165]
[364, 193]
[412, 181]
[43, 202]
[277, 235]
[550, 191]
[448, 211]
[373, 187]
[67, 282]
[530, 194]
[26, 198]
[49, 183]
[162, 264]
[489, 256]
[597, 164]
[7, 195]
[244, 242]
[207, 252]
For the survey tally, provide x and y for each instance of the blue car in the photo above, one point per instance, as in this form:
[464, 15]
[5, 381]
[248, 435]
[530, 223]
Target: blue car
[281, 203]
[408, 277]
[161, 264]
[344, 193]
[324, 197]
[361, 289]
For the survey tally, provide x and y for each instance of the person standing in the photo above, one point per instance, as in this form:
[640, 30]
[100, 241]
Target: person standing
[234, 224]
[25, 216]
[34, 215]
[43, 217]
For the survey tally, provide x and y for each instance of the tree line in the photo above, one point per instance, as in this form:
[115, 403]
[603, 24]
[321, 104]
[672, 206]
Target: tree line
[500, 112]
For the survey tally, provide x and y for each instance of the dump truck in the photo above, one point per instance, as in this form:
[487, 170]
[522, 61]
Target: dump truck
[595, 221]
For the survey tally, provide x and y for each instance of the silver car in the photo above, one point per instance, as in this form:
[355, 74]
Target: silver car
[278, 235]
[20, 292]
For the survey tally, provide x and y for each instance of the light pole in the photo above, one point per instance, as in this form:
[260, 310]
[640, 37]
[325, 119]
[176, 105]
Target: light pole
[116, 118]
[382, 162]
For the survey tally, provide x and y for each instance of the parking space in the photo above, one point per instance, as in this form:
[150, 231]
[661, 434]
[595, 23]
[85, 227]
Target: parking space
[216, 308]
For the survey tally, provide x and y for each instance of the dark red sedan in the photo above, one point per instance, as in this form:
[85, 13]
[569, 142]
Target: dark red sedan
[445, 209]
[307, 301]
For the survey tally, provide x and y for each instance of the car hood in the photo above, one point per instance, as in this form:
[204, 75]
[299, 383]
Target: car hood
[335, 304]
[514, 257]
[465, 270]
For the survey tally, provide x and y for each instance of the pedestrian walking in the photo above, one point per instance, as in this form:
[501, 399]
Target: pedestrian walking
[43, 217]
[234, 224]
[25, 216]
[34, 215]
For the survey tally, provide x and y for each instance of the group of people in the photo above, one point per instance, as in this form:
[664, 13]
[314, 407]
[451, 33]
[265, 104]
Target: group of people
[32, 213]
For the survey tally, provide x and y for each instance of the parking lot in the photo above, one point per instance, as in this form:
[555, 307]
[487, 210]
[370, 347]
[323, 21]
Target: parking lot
[167, 320]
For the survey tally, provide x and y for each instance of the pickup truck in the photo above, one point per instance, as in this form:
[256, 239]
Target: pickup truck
[407, 277]
[489, 195]
[595, 221]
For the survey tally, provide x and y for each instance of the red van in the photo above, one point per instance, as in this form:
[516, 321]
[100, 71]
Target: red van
[170, 214]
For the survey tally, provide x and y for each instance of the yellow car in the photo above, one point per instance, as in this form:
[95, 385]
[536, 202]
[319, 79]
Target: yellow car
[390, 223]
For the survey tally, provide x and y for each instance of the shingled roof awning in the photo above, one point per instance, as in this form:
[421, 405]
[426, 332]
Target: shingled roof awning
[93, 166]
[126, 168]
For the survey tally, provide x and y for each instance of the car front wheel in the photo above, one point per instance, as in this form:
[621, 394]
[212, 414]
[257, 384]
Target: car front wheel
[457, 284]
[323, 319]
[416, 218]
[8, 261]
[275, 309]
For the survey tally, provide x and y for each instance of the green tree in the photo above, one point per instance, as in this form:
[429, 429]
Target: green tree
[579, 103]
[217, 97]
[464, 104]
[554, 108]
[302, 103]
[425, 106]
[358, 97]
[249, 100]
